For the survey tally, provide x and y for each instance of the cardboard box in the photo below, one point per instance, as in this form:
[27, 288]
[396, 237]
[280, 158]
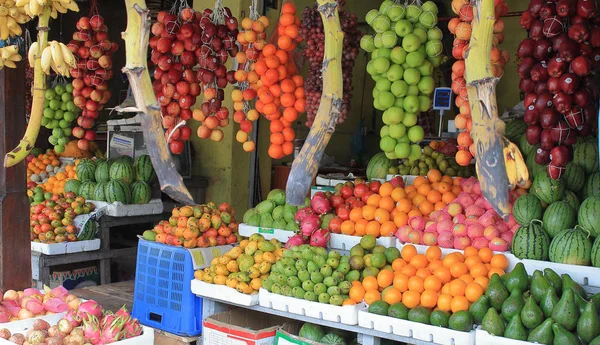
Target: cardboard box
[242, 326]
[284, 338]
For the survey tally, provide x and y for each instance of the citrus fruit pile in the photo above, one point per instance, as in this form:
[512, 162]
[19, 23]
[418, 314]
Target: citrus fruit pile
[451, 283]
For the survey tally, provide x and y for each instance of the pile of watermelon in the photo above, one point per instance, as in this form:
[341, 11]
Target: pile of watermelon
[122, 179]
[560, 219]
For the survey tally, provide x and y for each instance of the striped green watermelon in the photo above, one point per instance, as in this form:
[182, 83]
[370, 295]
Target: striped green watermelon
[72, 186]
[589, 215]
[527, 208]
[85, 172]
[102, 171]
[586, 156]
[574, 177]
[595, 255]
[515, 129]
[572, 199]
[547, 189]
[571, 246]
[592, 186]
[558, 217]
[99, 192]
[87, 190]
[140, 192]
[121, 170]
[531, 242]
[127, 159]
[144, 171]
[87, 161]
[117, 190]
[378, 166]
[526, 148]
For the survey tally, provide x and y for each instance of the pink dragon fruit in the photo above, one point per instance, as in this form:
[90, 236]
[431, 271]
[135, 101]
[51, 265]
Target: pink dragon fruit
[31, 292]
[310, 224]
[34, 306]
[295, 241]
[320, 205]
[132, 329]
[56, 305]
[124, 313]
[12, 306]
[107, 320]
[5, 315]
[90, 307]
[320, 238]
[91, 329]
[73, 317]
[59, 291]
[302, 214]
[113, 332]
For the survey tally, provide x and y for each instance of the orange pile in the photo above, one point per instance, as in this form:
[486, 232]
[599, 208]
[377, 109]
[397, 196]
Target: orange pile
[38, 164]
[56, 183]
[391, 208]
[278, 84]
[451, 283]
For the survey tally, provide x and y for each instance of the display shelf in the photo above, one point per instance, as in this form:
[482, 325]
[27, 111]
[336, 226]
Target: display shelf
[223, 293]
[65, 247]
[369, 336]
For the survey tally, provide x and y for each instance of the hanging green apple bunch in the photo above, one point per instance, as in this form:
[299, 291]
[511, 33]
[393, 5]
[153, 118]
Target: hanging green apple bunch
[404, 51]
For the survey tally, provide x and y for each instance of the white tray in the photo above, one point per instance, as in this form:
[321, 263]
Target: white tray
[583, 275]
[483, 337]
[65, 247]
[346, 242]
[17, 326]
[416, 330]
[282, 236]
[117, 209]
[223, 293]
[347, 315]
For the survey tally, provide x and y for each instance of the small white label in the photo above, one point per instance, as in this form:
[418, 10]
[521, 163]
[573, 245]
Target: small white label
[124, 145]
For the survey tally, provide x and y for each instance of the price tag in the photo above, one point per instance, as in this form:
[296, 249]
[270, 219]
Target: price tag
[266, 231]
[442, 98]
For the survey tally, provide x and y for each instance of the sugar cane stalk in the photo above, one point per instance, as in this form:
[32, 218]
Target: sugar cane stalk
[136, 38]
[37, 107]
[306, 165]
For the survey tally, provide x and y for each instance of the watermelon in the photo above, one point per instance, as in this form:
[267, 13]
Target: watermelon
[595, 255]
[144, 171]
[87, 190]
[102, 171]
[127, 159]
[527, 208]
[572, 199]
[85, 171]
[586, 156]
[589, 215]
[574, 177]
[531, 242]
[72, 186]
[558, 217]
[99, 192]
[311, 331]
[526, 148]
[87, 161]
[571, 246]
[140, 192]
[515, 129]
[332, 339]
[378, 166]
[121, 170]
[117, 190]
[547, 189]
[592, 186]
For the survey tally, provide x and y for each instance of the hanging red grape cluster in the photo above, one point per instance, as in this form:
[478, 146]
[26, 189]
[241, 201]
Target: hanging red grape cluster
[557, 60]
[93, 50]
[312, 32]
[175, 45]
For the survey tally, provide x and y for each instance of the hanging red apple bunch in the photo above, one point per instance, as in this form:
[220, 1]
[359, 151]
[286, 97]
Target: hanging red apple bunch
[93, 50]
[557, 59]
[218, 42]
[175, 47]
[460, 27]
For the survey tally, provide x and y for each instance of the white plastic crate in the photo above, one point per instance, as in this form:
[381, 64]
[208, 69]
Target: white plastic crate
[268, 233]
[117, 209]
[65, 247]
[346, 242]
[415, 330]
[223, 293]
[347, 315]
[483, 337]
[583, 275]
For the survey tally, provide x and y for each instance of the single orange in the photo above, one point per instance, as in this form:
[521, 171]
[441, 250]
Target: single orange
[415, 283]
[387, 203]
[370, 283]
[429, 298]
[444, 302]
[433, 253]
[360, 227]
[419, 180]
[397, 264]
[458, 269]
[347, 227]
[411, 299]
[373, 200]
[408, 251]
[385, 278]
[479, 270]
[457, 287]
[409, 270]
[499, 261]
[419, 261]
[423, 272]
[373, 228]
[401, 282]
[381, 215]
[404, 205]
[392, 296]
[372, 296]
[386, 189]
[483, 281]
[432, 283]
[486, 255]
[473, 291]
[357, 293]
[471, 261]
[368, 212]
[398, 194]
[388, 229]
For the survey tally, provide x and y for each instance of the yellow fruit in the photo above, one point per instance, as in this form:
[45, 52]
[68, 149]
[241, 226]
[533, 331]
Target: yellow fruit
[198, 274]
[243, 244]
[258, 257]
[232, 266]
[221, 270]
[256, 283]
[269, 257]
[256, 237]
[234, 253]
[220, 279]
[251, 248]
[224, 259]
[241, 287]
[264, 276]
[253, 272]
[208, 278]
[266, 246]
[265, 267]
[231, 282]
[279, 253]
[214, 262]
[186, 211]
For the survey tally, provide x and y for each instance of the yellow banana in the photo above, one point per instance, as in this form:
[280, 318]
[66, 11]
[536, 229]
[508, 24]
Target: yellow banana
[16, 58]
[68, 57]
[57, 56]
[71, 6]
[46, 60]
[1, 64]
[4, 31]
[10, 64]
[9, 3]
[42, 3]
[59, 7]
[516, 169]
[21, 3]
[34, 50]
[53, 13]
[3, 11]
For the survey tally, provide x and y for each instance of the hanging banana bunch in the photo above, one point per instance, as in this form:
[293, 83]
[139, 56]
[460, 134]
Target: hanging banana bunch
[9, 55]
[35, 8]
[11, 16]
[42, 60]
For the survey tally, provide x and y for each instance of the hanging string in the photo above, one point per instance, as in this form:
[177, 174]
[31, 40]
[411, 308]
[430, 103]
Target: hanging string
[218, 16]
[254, 15]
[182, 5]
[93, 7]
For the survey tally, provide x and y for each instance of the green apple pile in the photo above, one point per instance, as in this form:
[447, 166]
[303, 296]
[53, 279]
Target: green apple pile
[431, 159]
[406, 48]
[59, 113]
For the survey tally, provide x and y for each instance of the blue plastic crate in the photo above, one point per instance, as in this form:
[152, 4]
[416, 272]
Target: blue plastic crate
[162, 298]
